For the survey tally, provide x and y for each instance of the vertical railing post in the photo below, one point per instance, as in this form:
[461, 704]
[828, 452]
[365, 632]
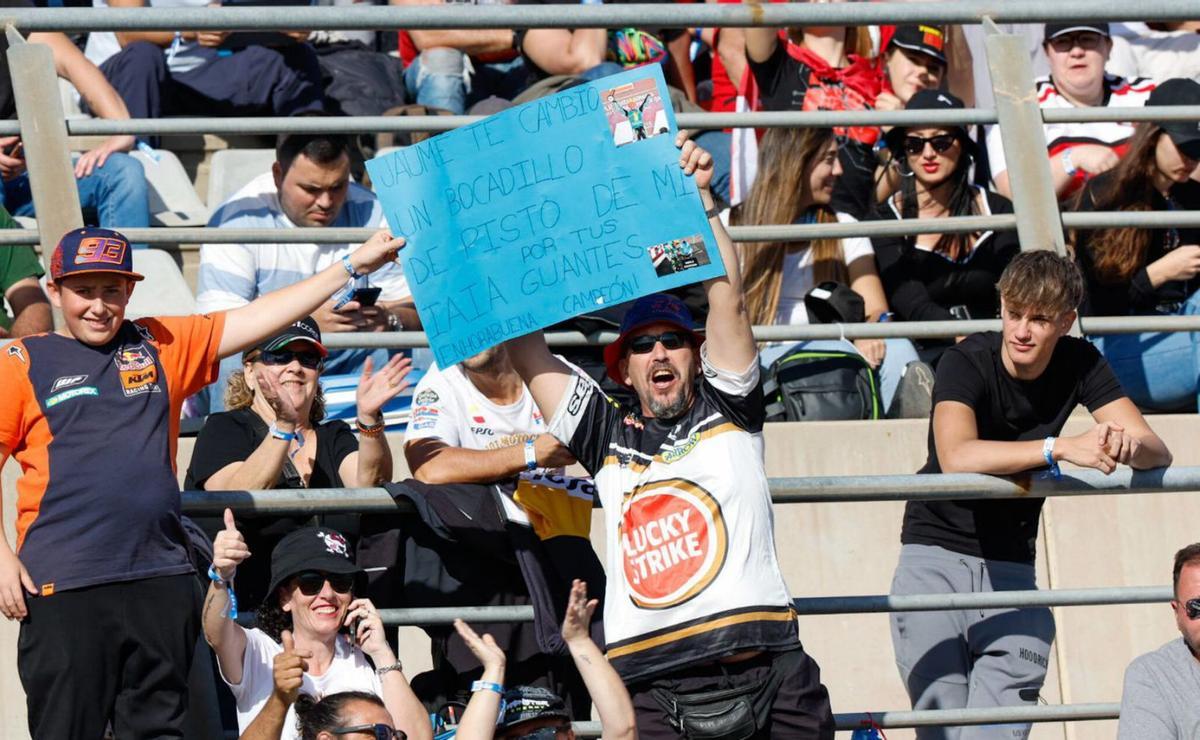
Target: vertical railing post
[44, 135]
[1039, 224]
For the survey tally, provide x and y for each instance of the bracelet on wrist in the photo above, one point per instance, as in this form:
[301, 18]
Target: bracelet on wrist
[349, 266]
[215, 577]
[277, 433]
[530, 456]
[397, 666]
[369, 430]
[487, 686]
[1068, 165]
[1048, 455]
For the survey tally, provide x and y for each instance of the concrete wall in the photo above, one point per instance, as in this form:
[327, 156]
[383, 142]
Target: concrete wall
[851, 549]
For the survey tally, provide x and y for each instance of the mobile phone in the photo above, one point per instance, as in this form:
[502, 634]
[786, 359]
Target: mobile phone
[366, 296]
[352, 637]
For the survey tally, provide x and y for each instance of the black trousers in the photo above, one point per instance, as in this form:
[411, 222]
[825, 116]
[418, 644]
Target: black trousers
[119, 651]
[800, 710]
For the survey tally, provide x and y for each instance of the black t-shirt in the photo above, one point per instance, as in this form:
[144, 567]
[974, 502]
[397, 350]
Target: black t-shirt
[1137, 296]
[232, 436]
[629, 47]
[8, 105]
[784, 83]
[923, 286]
[1006, 410]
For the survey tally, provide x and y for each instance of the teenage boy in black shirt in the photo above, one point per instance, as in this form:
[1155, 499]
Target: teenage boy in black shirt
[1000, 402]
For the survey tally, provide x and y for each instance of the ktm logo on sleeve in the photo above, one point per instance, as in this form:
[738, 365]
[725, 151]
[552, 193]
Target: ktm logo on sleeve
[100, 249]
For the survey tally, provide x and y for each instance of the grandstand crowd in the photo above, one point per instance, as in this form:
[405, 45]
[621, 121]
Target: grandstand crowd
[691, 631]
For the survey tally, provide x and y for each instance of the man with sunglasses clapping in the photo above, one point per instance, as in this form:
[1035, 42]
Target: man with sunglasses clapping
[311, 613]
[1161, 699]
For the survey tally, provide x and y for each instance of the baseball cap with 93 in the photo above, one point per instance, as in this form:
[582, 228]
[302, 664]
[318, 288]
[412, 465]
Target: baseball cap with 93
[90, 250]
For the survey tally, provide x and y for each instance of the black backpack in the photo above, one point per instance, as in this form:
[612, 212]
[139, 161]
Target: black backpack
[822, 385]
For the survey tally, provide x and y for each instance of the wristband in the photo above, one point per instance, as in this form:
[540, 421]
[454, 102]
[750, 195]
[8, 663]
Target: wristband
[712, 213]
[1068, 166]
[1048, 454]
[397, 666]
[486, 686]
[530, 456]
[372, 431]
[394, 322]
[215, 577]
[349, 266]
[278, 433]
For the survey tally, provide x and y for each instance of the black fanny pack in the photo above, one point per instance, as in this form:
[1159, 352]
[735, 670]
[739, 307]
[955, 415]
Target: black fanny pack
[736, 713]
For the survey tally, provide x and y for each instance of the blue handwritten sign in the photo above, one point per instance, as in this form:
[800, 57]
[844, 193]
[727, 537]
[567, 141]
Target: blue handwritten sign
[545, 211]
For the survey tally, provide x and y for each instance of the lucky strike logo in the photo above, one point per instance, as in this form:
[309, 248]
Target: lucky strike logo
[673, 541]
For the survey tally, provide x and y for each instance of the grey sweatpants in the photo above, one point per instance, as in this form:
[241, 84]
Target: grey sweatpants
[975, 658]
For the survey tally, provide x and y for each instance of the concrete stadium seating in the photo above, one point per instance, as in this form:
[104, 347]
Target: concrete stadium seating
[230, 169]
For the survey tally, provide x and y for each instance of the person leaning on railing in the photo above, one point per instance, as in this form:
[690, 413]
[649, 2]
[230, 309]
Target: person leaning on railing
[1000, 403]
[797, 172]
[1143, 271]
[274, 434]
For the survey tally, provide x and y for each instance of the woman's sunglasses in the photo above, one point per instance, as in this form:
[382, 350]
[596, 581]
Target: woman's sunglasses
[380, 731]
[311, 582]
[310, 360]
[640, 345]
[914, 145]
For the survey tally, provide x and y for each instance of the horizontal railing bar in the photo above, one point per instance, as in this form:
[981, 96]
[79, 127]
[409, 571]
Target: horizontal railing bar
[829, 605]
[587, 16]
[946, 717]
[774, 232]
[784, 490]
[758, 119]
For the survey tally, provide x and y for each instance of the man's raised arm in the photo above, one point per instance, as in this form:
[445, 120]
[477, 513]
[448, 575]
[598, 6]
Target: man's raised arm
[544, 374]
[728, 339]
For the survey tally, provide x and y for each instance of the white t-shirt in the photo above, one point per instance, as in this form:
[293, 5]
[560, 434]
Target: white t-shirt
[798, 275]
[349, 671]
[448, 406]
[103, 44]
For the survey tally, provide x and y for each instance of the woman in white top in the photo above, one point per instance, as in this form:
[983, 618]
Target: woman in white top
[311, 596]
[797, 171]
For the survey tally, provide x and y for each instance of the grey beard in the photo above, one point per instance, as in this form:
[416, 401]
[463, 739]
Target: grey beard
[672, 408]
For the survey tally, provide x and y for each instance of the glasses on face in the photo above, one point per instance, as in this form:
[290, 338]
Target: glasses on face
[310, 360]
[543, 733]
[379, 731]
[1085, 40]
[311, 582]
[640, 345]
[914, 145]
[1193, 609]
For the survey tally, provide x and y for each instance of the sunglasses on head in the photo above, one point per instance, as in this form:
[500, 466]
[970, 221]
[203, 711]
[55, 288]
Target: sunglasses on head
[311, 582]
[914, 145]
[379, 731]
[1193, 609]
[310, 360]
[644, 343]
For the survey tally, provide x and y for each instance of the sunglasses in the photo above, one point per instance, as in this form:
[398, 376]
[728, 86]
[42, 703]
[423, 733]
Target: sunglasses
[640, 345]
[379, 731]
[310, 360]
[544, 733]
[914, 145]
[311, 582]
[1086, 40]
[1193, 609]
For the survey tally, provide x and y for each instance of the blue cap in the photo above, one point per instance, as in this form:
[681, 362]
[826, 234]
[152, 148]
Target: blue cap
[92, 250]
[651, 309]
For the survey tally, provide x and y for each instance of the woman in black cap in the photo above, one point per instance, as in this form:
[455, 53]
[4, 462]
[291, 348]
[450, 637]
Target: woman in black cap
[1148, 271]
[311, 612]
[273, 434]
[934, 277]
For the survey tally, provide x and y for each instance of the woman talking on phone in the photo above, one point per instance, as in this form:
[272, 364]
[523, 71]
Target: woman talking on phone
[310, 611]
[273, 436]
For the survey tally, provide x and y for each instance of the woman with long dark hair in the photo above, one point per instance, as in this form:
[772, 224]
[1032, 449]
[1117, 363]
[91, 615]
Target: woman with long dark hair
[1148, 271]
[798, 169]
[937, 277]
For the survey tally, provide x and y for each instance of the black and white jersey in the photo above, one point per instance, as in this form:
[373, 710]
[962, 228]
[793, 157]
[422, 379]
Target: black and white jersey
[692, 569]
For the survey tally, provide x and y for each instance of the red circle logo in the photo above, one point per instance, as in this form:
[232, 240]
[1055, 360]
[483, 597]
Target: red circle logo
[673, 542]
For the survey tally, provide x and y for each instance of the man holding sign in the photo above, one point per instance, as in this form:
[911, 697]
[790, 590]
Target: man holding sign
[697, 604]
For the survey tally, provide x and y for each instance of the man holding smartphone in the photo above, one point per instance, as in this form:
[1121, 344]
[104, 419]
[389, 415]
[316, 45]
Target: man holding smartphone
[308, 187]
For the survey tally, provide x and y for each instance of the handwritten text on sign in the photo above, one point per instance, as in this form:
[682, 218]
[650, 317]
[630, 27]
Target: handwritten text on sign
[545, 211]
